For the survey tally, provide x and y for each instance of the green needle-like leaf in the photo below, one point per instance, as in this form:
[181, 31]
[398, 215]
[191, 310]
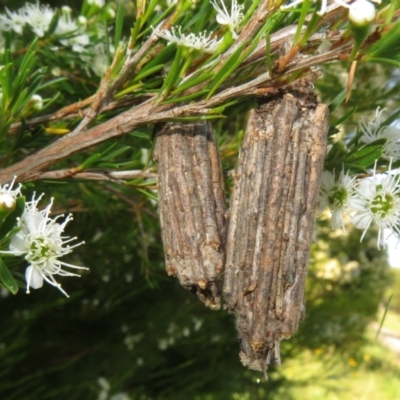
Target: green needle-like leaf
[7, 279]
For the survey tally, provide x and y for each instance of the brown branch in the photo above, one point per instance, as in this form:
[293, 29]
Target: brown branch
[77, 110]
[36, 165]
[277, 39]
[33, 166]
[108, 87]
[113, 176]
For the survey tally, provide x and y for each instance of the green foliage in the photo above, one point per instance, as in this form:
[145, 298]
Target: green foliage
[18, 87]
[129, 323]
[393, 292]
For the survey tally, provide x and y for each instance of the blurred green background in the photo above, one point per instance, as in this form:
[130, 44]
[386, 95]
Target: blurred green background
[129, 330]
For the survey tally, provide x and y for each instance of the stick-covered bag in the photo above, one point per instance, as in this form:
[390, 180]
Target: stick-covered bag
[192, 207]
[271, 220]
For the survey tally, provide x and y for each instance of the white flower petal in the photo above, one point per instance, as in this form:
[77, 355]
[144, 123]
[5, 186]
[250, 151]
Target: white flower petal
[391, 133]
[33, 277]
[18, 244]
[356, 203]
[222, 20]
[338, 195]
[362, 220]
[328, 180]
[337, 219]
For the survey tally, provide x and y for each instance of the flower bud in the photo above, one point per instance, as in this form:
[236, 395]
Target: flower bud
[66, 10]
[37, 102]
[7, 203]
[82, 21]
[362, 13]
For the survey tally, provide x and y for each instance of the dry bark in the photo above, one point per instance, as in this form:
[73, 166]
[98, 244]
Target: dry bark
[271, 220]
[192, 207]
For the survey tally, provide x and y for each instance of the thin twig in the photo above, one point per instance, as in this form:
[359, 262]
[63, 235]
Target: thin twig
[114, 176]
[146, 113]
[79, 109]
[107, 88]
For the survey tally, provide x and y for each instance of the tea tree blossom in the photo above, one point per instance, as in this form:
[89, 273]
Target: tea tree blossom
[232, 19]
[41, 242]
[71, 35]
[380, 203]
[373, 130]
[202, 41]
[38, 17]
[12, 21]
[339, 196]
[65, 24]
[371, 127]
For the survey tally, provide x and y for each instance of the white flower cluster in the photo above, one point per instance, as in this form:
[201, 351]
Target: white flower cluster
[200, 42]
[203, 41]
[38, 18]
[374, 199]
[39, 239]
[374, 130]
[75, 34]
[361, 12]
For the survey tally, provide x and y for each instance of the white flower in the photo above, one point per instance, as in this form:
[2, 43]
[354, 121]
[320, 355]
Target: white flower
[13, 21]
[40, 240]
[372, 130]
[8, 195]
[38, 17]
[77, 43]
[380, 204]
[339, 196]
[231, 19]
[358, 11]
[37, 102]
[371, 127]
[65, 25]
[98, 3]
[71, 34]
[99, 62]
[202, 41]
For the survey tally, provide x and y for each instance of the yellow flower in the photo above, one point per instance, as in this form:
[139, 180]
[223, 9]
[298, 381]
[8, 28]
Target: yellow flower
[352, 362]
